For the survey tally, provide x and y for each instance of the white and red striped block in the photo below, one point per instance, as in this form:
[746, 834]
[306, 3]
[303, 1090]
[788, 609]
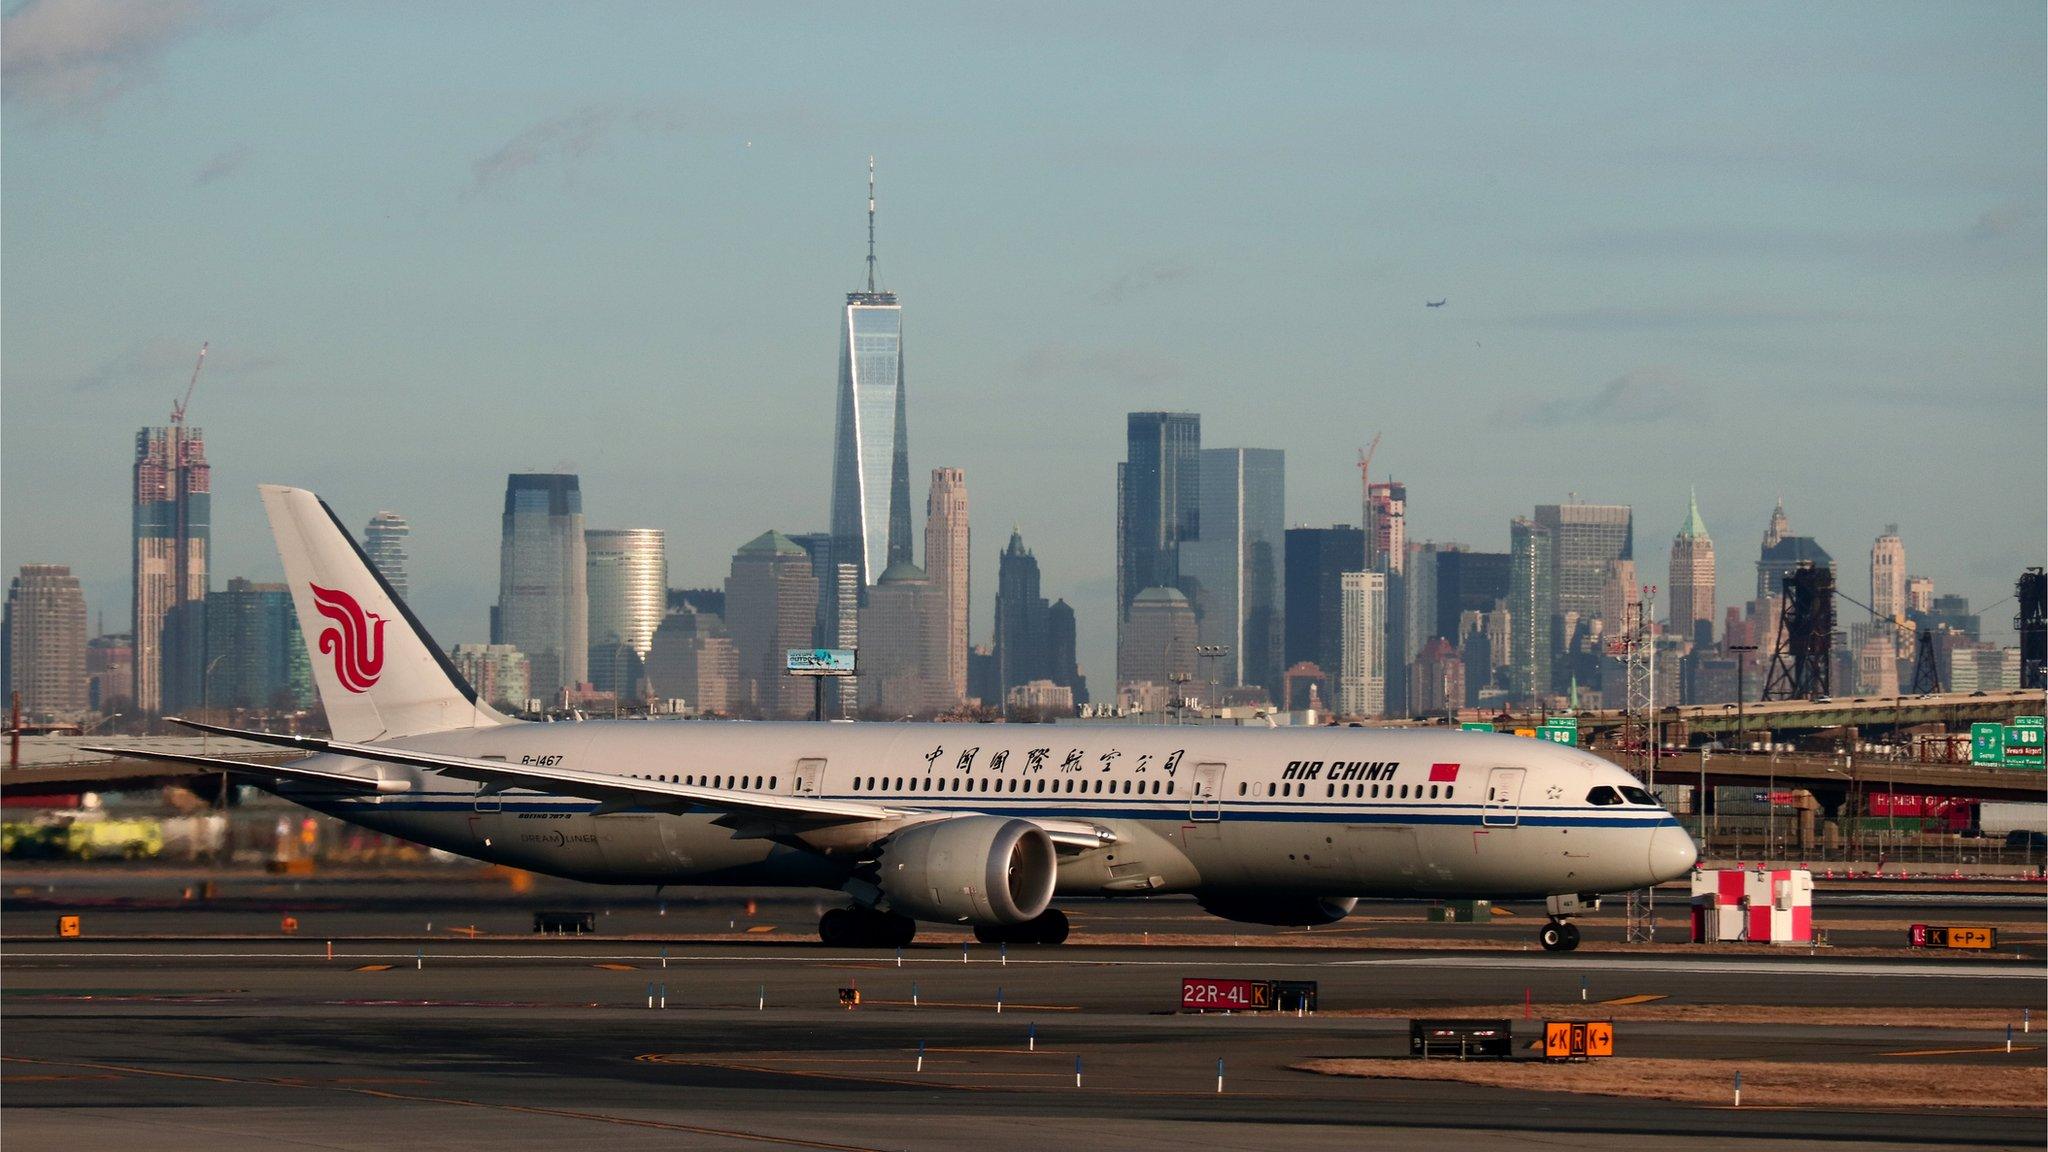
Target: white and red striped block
[1760, 905]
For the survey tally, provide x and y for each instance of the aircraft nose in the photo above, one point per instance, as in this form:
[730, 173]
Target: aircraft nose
[1672, 854]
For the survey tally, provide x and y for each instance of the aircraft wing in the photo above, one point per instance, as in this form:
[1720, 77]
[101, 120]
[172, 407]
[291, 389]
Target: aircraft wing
[275, 771]
[605, 787]
[618, 793]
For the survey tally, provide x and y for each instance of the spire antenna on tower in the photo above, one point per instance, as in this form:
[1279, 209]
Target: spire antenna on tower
[871, 223]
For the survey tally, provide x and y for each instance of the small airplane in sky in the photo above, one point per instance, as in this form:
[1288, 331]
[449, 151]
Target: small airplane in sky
[1437, 303]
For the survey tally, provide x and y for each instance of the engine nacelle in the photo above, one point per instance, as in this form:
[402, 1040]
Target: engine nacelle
[1281, 911]
[970, 869]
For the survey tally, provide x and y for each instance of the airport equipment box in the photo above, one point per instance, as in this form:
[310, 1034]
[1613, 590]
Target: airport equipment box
[1759, 905]
[1462, 1039]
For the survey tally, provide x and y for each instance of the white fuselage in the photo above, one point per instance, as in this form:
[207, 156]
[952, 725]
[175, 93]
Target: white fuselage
[1323, 811]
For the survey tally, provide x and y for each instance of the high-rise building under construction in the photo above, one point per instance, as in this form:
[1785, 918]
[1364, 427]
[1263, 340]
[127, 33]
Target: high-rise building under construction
[173, 515]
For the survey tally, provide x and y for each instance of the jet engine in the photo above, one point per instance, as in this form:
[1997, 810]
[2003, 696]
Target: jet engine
[1287, 911]
[969, 869]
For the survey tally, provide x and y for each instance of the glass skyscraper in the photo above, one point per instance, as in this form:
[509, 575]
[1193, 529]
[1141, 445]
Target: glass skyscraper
[254, 649]
[628, 588]
[871, 443]
[384, 543]
[1531, 597]
[1233, 571]
[1584, 538]
[871, 447]
[543, 593]
[1158, 501]
[1316, 558]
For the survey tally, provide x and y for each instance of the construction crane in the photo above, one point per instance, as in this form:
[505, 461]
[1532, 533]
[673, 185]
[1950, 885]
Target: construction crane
[1365, 481]
[1365, 459]
[178, 408]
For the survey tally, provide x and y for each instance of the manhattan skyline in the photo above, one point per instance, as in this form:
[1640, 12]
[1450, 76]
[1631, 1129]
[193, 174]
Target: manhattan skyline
[1751, 251]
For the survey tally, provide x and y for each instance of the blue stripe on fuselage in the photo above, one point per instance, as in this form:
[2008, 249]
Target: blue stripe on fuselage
[1430, 814]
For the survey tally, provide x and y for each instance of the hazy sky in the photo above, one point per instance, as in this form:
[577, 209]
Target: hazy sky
[1761, 250]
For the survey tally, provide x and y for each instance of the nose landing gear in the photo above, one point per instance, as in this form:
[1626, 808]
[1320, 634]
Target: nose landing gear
[1558, 936]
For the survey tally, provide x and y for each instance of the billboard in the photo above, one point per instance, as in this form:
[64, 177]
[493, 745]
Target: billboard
[821, 661]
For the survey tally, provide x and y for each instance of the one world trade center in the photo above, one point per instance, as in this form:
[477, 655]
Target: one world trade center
[870, 446]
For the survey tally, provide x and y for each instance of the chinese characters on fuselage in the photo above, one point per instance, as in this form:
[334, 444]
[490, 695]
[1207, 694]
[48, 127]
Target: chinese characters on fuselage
[1035, 758]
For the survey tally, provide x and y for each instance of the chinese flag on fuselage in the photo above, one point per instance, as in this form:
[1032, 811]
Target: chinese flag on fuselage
[1443, 773]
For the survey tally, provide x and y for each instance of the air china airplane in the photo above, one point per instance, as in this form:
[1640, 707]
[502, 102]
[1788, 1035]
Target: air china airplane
[979, 825]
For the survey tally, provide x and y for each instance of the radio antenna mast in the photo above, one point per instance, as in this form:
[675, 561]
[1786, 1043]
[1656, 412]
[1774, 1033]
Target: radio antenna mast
[871, 224]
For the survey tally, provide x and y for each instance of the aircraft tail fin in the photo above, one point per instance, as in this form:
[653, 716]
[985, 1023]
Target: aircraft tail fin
[378, 672]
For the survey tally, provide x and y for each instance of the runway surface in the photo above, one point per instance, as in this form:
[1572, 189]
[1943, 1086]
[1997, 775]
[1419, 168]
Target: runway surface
[450, 902]
[445, 1041]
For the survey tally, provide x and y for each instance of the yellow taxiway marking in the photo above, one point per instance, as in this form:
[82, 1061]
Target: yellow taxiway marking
[1644, 998]
[2017, 1048]
[617, 967]
[761, 928]
[460, 1102]
[374, 968]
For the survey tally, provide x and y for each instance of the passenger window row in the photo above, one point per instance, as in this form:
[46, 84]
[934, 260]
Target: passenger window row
[1345, 791]
[738, 783]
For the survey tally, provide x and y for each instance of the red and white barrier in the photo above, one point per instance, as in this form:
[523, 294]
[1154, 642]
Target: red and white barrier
[1763, 905]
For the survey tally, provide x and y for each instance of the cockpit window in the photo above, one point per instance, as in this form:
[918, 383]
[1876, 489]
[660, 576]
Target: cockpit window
[1638, 796]
[1603, 796]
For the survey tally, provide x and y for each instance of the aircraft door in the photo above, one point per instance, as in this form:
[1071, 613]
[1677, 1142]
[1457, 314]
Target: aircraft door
[1205, 802]
[1504, 797]
[809, 774]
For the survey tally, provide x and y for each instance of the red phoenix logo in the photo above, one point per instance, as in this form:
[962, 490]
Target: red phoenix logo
[356, 641]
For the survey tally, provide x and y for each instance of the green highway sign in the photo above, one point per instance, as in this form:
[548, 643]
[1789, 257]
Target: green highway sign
[1475, 726]
[1987, 745]
[2022, 742]
[1570, 723]
[1558, 735]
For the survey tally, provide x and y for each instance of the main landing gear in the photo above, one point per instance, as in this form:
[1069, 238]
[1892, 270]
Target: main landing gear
[1049, 928]
[865, 928]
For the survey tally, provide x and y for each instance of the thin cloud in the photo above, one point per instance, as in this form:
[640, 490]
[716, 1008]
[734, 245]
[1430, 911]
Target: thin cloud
[2019, 218]
[1643, 396]
[562, 140]
[1123, 364]
[1138, 280]
[2007, 219]
[224, 164]
[69, 59]
[1662, 319]
[165, 364]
